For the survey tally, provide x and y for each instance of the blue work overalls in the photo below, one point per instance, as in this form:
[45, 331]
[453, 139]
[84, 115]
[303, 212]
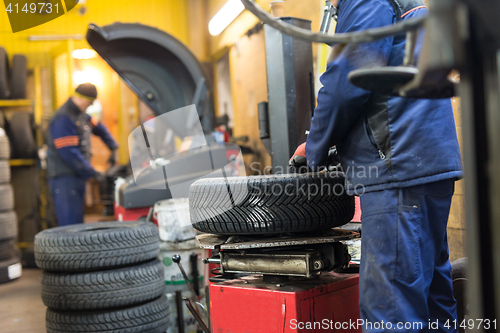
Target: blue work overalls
[68, 159]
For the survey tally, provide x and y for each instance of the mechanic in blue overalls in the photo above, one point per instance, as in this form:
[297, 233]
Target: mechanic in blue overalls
[412, 149]
[68, 157]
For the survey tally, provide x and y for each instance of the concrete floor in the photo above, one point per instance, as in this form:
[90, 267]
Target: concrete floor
[21, 307]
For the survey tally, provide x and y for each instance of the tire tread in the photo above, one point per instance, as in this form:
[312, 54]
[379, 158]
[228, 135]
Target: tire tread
[259, 211]
[103, 289]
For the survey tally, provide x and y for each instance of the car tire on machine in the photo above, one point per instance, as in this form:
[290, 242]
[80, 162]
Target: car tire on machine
[96, 246]
[10, 270]
[460, 281]
[4, 79]
[8, 226]
[18, 77]
[270, 204]
[6, 197]
[151, 317]
[21, 127]
[101, 290]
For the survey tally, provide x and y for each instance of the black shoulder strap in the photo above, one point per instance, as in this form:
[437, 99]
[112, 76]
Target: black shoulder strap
[402, 7]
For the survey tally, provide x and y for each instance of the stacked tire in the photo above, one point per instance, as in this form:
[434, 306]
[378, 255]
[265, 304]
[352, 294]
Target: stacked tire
[10, 262]
[102, 277]
[13, 78]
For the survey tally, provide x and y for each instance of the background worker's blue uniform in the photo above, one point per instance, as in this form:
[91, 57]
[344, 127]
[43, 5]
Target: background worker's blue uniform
[404, 155]
[69, 159]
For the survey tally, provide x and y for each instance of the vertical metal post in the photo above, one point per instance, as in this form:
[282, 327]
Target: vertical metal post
[38, 113]
[180, 315]
[290, 80]
[479, 92]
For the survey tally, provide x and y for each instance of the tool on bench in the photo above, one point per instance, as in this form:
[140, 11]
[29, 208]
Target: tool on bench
[200, 313]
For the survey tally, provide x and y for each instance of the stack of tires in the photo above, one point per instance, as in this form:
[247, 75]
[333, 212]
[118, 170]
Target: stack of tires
[102, 277]
[10, 266]
[13, 78]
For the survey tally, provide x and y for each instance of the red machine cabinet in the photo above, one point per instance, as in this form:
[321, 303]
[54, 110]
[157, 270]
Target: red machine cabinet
[249, 305]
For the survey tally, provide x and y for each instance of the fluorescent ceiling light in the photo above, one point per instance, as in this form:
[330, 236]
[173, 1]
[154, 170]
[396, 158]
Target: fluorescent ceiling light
[84, 54]
[225, 16]
[89, 74]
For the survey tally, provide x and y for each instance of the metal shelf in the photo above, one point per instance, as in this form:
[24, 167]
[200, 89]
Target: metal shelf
[15, 102]
[22, 162]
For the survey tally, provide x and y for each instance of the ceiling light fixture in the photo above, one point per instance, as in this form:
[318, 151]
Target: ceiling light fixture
[84, 54]
[225, 16]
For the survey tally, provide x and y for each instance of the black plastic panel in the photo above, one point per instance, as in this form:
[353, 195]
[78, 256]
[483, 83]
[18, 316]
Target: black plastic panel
[155, 65]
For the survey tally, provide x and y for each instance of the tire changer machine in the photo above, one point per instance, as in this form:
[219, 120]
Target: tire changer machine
[283, 283]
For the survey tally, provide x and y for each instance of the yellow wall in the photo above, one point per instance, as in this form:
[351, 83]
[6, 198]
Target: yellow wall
[456, 222]
[248, 67]
[167, 15]
[306, 9]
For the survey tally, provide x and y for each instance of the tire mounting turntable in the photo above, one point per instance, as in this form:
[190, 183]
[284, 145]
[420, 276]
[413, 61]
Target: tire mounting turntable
[282, 284]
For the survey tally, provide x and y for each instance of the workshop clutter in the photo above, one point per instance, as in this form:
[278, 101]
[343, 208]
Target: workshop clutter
[173, 219]
[103, 277]
[191, 259]
[177, 238]
[10, 266]
[20, 127]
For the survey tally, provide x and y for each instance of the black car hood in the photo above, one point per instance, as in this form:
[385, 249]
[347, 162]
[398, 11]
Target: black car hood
[155, 65]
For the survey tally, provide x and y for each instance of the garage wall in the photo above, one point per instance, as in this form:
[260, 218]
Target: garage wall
[456, 222]
[167, 15]
[248, 67]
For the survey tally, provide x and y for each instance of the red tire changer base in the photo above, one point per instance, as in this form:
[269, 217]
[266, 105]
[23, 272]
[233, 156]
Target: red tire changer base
[290, 286]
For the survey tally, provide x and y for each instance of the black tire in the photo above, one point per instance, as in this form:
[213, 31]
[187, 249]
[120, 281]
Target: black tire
[10, 269]
[101, 290]
[6, 197]
[96, 246]
[8, 249]
[270, 204]
[21, 133]
[18, 76]
[4, 77]
[8, 226]
[151, 317]
[4, 172]
[460, 281]
[4, 146]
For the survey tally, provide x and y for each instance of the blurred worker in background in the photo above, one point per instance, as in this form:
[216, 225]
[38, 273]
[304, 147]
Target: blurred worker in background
[68, 160]
[403, 154]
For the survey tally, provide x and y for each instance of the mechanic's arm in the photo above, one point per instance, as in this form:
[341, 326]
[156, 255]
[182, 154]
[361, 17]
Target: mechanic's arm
[101, 131]
[65, 136]
[340, 103]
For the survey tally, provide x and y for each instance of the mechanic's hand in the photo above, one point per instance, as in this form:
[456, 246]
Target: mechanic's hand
[112, 158]
[300, 151]
[298, 162]
[99, 177]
